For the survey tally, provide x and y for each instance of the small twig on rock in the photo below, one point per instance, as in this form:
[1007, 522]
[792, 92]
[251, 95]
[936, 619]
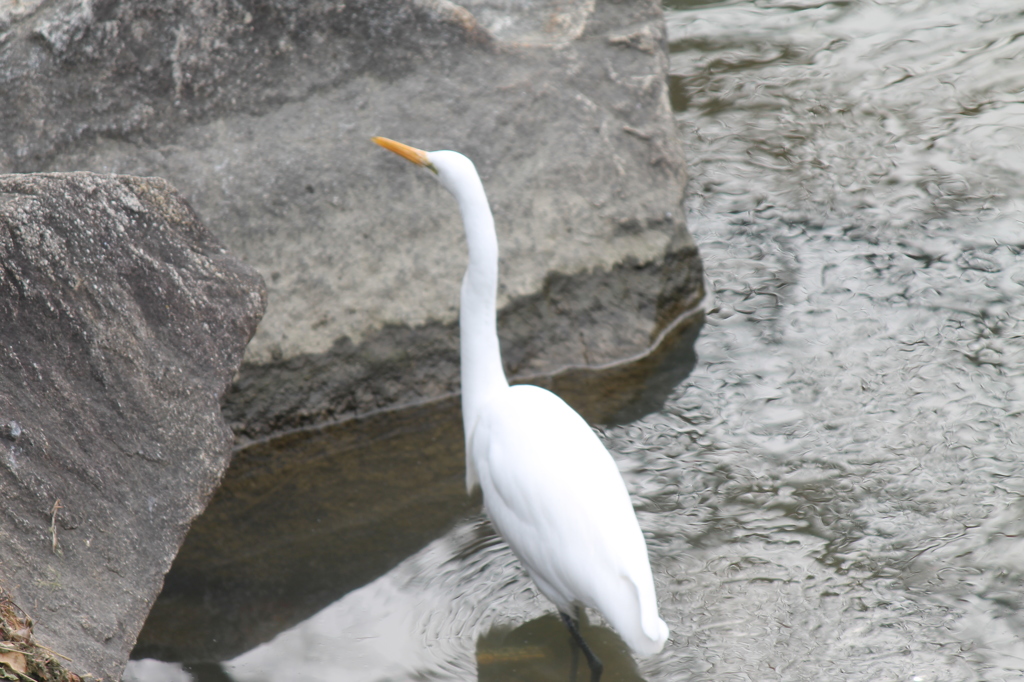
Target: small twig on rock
[51, 651]
[53, 526]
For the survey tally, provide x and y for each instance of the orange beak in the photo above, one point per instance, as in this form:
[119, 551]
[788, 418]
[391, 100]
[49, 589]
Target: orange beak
[417, 156]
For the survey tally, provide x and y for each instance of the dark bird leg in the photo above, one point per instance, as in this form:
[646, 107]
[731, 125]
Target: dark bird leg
[596, 668]
[574, 662]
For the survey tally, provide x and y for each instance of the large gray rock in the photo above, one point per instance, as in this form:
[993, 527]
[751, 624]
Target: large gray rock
[122, 321]
[262, 113]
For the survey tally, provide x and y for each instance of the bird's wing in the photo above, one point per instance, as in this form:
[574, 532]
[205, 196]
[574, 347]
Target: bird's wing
[555, 494]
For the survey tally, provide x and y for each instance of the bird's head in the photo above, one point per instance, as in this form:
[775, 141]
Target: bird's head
[453, 170]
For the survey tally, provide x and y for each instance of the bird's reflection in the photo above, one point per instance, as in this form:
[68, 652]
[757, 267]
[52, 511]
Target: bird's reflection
[542, 650]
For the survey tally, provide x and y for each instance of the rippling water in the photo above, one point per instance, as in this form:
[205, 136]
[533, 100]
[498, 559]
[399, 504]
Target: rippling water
[835, 493]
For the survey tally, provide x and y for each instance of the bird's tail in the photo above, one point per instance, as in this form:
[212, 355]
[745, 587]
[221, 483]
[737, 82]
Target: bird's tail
[644, 630]
[654, 627]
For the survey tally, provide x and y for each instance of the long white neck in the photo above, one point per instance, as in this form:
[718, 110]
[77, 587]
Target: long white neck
[482, 372]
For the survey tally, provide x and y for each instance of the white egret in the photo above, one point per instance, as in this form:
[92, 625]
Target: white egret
[551, 489]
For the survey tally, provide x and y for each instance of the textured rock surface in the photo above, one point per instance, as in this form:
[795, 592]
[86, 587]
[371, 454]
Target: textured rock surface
[123, 321]
[261, 114]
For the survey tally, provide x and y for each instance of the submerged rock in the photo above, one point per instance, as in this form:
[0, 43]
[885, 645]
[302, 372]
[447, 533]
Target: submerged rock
[124, 321]
[303, 518]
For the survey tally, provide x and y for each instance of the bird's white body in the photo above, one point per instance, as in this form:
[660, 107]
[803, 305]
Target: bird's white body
[550, 487]
[557, 498]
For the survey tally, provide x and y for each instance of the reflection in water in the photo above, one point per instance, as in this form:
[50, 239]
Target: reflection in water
[837, 491]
